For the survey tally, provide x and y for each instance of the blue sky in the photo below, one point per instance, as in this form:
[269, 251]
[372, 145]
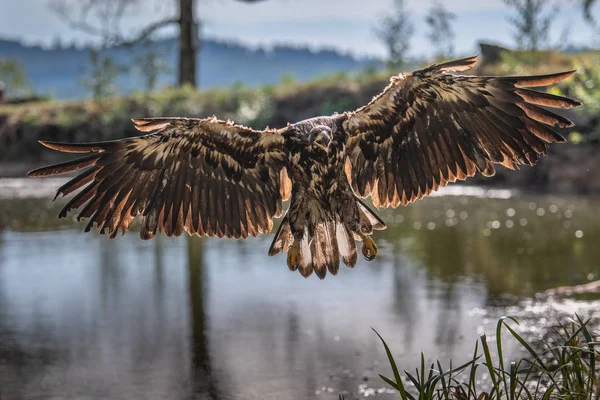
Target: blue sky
[344, 24]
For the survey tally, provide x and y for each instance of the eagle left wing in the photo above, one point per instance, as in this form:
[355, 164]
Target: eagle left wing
[429, 128]
[205, 176]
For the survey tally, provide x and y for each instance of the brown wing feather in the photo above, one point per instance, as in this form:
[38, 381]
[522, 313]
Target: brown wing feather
[429, 128]
[204, 176]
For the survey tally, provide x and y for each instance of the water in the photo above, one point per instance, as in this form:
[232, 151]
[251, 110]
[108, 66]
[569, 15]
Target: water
[82, 316]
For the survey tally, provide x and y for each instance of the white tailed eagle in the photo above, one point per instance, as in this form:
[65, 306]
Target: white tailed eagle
[214, 178]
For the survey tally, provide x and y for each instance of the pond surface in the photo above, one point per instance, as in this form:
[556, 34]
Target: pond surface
[82, 316]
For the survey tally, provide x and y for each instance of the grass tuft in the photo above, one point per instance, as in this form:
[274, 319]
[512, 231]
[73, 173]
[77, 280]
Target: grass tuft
[565, 367]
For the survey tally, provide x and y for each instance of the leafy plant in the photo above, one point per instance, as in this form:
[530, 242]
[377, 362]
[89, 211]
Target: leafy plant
[12, 73]
[567, 370]
[531, 22]
[151, 65]
[440, 33]
[102, 76]
[330, 107]
[585, 87]
[395, 32]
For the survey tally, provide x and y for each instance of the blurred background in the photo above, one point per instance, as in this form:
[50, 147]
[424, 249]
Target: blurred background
[85, 316]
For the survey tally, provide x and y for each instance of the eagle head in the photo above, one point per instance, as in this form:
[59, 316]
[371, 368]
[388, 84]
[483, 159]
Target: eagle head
[320, 136]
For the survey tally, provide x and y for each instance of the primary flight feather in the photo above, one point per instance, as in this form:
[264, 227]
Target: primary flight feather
[215, 178]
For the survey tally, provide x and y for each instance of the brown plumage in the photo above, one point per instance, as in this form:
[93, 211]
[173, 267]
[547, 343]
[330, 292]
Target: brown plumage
[214, 178]
[206, 177]
[435, 128]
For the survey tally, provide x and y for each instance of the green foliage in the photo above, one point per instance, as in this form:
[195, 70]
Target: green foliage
[396, 31]
[151, 64]
[335, 78]
[341, 76]
[12, 73]
[567, 368]
[369, 72]
[531, 23]
[329, 107]
[288, 79]
[31, 118]
[516, 61]
[102, 76]
[70, 116]
[441, 34]
[585, 87]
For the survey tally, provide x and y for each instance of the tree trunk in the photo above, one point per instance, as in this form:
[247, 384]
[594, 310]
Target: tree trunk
[188, 43]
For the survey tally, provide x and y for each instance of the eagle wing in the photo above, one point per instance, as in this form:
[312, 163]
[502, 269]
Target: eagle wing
[429, 127]
[205, 176]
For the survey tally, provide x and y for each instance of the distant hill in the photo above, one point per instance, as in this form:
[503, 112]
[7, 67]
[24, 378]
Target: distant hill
[59, 71]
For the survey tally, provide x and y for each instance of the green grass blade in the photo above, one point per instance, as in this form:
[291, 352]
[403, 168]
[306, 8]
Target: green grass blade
[443, 379]
[488, 363]
[527, 346]
[592, 363]
[394, 367]
[472, 382]
[431, 371]
[499, 343]
[513, 381]
[389, 382]
[422, 377]
[414, 381]
[431, 382]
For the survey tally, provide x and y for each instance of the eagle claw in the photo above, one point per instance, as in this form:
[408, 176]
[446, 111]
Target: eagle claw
[293, 256]
[369, 249]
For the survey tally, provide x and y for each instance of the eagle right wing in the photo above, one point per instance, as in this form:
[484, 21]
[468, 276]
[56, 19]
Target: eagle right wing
[429, 127]
[205, 176]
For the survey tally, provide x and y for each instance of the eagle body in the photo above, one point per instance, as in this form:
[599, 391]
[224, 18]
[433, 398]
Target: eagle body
[215, 178]
[324, 216]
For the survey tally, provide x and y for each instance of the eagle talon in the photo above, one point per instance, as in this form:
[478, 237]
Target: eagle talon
[369, 249]
[293, 256]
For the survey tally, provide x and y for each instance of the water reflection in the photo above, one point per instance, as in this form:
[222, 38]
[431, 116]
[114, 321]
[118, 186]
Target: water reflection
[83, 316]
[201, 375]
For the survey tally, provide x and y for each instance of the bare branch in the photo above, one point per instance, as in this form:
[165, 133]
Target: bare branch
[60, 9]
[587, 11]
[146, 32]
[100, 18]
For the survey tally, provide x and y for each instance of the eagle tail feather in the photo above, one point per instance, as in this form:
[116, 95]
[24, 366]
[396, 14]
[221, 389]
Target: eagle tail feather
[346, 245]
[305, 262]
[325, 250]
[321, 252]
[283, 238]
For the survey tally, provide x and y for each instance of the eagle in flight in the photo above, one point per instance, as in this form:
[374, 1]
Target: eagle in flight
[215, 178]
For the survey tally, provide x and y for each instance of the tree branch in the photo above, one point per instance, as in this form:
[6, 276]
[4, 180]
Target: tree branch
[106, 17]
[143, 35]
[80, 24]
[587, 11]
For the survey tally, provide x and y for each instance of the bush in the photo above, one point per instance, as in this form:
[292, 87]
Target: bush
[585, 87]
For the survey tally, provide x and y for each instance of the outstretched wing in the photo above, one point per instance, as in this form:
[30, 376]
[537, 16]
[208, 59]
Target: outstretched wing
[430, 127]
[205, 176]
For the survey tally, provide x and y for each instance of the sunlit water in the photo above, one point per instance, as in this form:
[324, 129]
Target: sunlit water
[82, 316]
